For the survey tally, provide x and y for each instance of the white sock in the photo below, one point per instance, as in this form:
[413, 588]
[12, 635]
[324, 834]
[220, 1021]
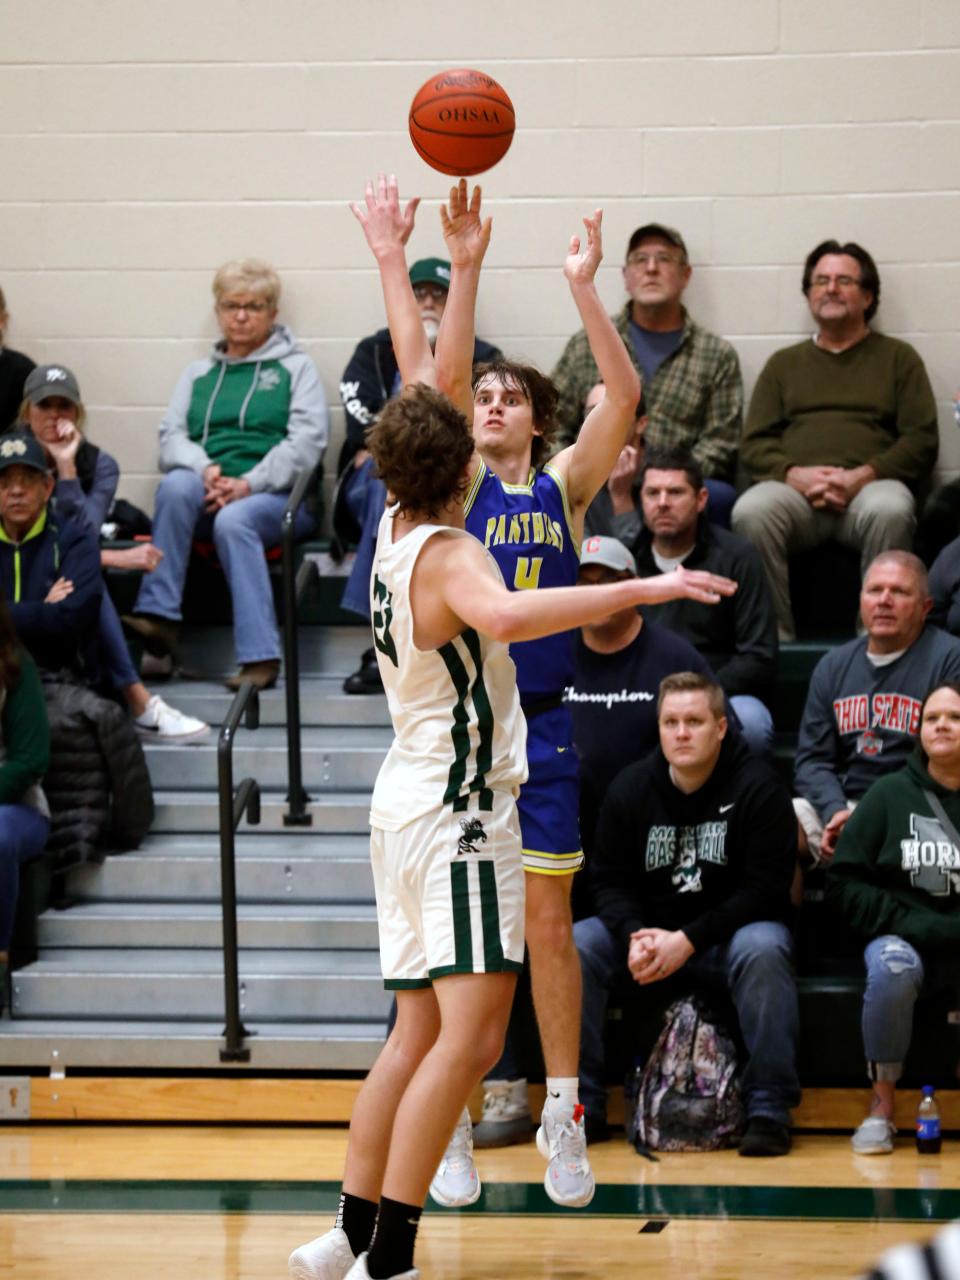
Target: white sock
[563, 1092]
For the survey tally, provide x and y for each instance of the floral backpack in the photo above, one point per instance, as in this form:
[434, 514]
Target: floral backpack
[689, 1093]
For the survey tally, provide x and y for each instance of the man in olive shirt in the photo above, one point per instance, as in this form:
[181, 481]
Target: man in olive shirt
[841, 429]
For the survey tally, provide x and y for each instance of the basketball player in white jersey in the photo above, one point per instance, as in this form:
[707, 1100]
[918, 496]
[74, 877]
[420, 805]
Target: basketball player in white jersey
[445, 845]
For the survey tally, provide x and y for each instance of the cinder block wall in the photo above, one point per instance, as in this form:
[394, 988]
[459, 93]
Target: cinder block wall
[143, 144]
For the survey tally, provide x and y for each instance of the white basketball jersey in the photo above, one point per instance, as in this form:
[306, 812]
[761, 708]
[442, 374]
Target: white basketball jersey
[460, 733]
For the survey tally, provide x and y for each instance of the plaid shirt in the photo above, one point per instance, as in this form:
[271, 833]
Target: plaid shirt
[695, 399]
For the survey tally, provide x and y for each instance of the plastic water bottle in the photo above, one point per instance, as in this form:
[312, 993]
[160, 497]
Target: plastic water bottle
[928, 1122]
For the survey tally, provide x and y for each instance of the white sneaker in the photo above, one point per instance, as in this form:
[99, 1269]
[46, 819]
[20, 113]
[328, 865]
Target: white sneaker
[456, 1181]
[359, 1271]
[506, 1115]
[163, 723]
[874, 1137]
[562, 1141]
[328, 1257]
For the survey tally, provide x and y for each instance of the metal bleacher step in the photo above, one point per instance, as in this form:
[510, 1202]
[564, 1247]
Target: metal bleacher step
[126, 1044]
[198, 811]
[335, 758]
[176, 983]
[322, 702]
[344, 926]
[294, 870]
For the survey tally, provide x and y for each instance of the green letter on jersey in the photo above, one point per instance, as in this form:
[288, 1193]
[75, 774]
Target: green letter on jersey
[382, 617]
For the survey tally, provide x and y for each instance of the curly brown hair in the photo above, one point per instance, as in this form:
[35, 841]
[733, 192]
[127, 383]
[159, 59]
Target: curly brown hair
[421, 446]
[537, 389]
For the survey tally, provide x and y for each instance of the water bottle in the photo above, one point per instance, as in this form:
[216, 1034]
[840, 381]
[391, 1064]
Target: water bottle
[928, 1122]
[631, 1092]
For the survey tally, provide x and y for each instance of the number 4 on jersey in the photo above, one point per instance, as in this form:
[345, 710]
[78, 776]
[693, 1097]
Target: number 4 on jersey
[526, 576]
[382, 617]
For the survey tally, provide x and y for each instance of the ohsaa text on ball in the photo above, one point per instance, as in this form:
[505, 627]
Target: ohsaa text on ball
[463, 114]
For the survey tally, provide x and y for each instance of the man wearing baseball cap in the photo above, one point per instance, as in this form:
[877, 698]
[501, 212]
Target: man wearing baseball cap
[691, 378]
[370, 379]
[49, 568]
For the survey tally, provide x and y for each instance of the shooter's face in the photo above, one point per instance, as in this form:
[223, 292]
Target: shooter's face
[502, 418]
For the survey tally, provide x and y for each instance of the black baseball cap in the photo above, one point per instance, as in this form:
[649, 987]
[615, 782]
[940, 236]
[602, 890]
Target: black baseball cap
[17, 449]
[670, 234]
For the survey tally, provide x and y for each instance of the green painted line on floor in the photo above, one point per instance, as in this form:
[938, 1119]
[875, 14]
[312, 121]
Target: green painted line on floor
[613, 1200]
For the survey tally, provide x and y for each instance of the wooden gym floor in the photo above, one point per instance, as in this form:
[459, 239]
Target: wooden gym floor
[177, 1202]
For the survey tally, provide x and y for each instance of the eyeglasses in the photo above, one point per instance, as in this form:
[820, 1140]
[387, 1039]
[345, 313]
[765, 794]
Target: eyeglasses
[658, 259]
[842, 282]
[231, 308]
[435, 292]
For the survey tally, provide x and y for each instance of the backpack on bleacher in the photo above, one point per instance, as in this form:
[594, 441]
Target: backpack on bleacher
[689, 1095]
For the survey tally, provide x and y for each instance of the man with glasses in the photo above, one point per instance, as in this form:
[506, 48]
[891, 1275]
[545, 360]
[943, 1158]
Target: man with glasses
[242, 424]
[841, 430]
[691, 378]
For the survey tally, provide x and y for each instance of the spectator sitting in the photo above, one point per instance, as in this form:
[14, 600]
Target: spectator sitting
[85, 483]
[895, 880]
[370, 379]
[24, 754]
[841, 429]
[615, 511]
[862, 712]
[691, 378]
[695, 852]
[619, 664]
[240, 427]
[14, 367]
[945, 588]
[738, 635]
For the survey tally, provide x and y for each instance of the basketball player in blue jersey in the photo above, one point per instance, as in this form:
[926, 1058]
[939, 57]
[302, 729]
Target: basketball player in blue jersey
[446, 844]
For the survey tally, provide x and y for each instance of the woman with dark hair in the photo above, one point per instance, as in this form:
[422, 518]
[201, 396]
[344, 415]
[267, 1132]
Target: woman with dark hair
[24, 755]
[86, 482]
[896, 879]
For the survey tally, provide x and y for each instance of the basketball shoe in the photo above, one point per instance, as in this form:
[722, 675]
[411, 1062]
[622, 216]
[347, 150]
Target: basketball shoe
[506, 1115]
[359, 1271]
[456, 1181]
[562, 1141]
[328, 1257]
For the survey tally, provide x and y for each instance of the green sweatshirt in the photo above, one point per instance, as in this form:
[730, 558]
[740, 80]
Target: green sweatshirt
[896, 870]
[24, 739]
[870, 404]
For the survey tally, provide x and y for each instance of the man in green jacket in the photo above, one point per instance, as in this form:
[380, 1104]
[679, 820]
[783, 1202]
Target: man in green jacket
[842, 427]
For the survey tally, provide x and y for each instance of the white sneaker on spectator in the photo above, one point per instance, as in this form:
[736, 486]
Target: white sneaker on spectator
[456, 1181]
[163, 723]
[562, 1141]
[874, 1137]
[329, 1257]
[359, 1271]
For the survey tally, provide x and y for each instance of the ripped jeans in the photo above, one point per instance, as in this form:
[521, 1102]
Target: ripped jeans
[894, 979]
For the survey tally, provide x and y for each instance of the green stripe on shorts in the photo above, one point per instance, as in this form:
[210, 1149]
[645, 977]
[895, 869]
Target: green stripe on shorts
[490, 915]
[462, 930]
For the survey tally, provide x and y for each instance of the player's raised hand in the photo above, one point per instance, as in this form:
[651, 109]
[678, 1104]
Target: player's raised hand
[684, 584]
[466, 236]
[384, 223]
[583, 259]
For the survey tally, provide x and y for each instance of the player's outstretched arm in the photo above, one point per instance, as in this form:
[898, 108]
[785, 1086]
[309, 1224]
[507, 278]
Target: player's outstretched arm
[467, 238]
[387, 228]
[587, 463]
[479, 600]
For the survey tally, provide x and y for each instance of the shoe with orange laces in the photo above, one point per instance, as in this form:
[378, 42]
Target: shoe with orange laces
[562, 1141]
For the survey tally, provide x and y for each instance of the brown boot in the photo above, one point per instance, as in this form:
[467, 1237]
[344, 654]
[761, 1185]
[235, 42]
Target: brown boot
[158, 635]
[262, 674]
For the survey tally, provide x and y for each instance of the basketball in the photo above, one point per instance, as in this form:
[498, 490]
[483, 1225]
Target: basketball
[461, 122]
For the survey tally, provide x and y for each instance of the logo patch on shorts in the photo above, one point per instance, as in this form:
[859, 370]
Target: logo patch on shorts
[473, 831]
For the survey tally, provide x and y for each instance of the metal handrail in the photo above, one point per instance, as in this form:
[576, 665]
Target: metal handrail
[233, 804]
[294, 585]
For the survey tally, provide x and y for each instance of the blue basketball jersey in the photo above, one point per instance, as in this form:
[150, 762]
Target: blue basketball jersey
[528, 530]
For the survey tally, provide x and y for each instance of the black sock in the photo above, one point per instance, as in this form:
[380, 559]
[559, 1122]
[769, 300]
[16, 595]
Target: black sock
[357, 1217]
[391, 1250]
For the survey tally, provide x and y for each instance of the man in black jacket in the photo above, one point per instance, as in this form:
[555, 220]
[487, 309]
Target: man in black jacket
[370, 379]
[738, 636]
[695, 852]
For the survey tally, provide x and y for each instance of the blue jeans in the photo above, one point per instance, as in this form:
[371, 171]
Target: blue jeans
[721, 501]
[894, 979]
[756, 723]
[23, 835]
[240, 532]
[356, 594]
[755, 966]
[116, 665]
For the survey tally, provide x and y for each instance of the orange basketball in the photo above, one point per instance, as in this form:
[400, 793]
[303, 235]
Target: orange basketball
[461, 122]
